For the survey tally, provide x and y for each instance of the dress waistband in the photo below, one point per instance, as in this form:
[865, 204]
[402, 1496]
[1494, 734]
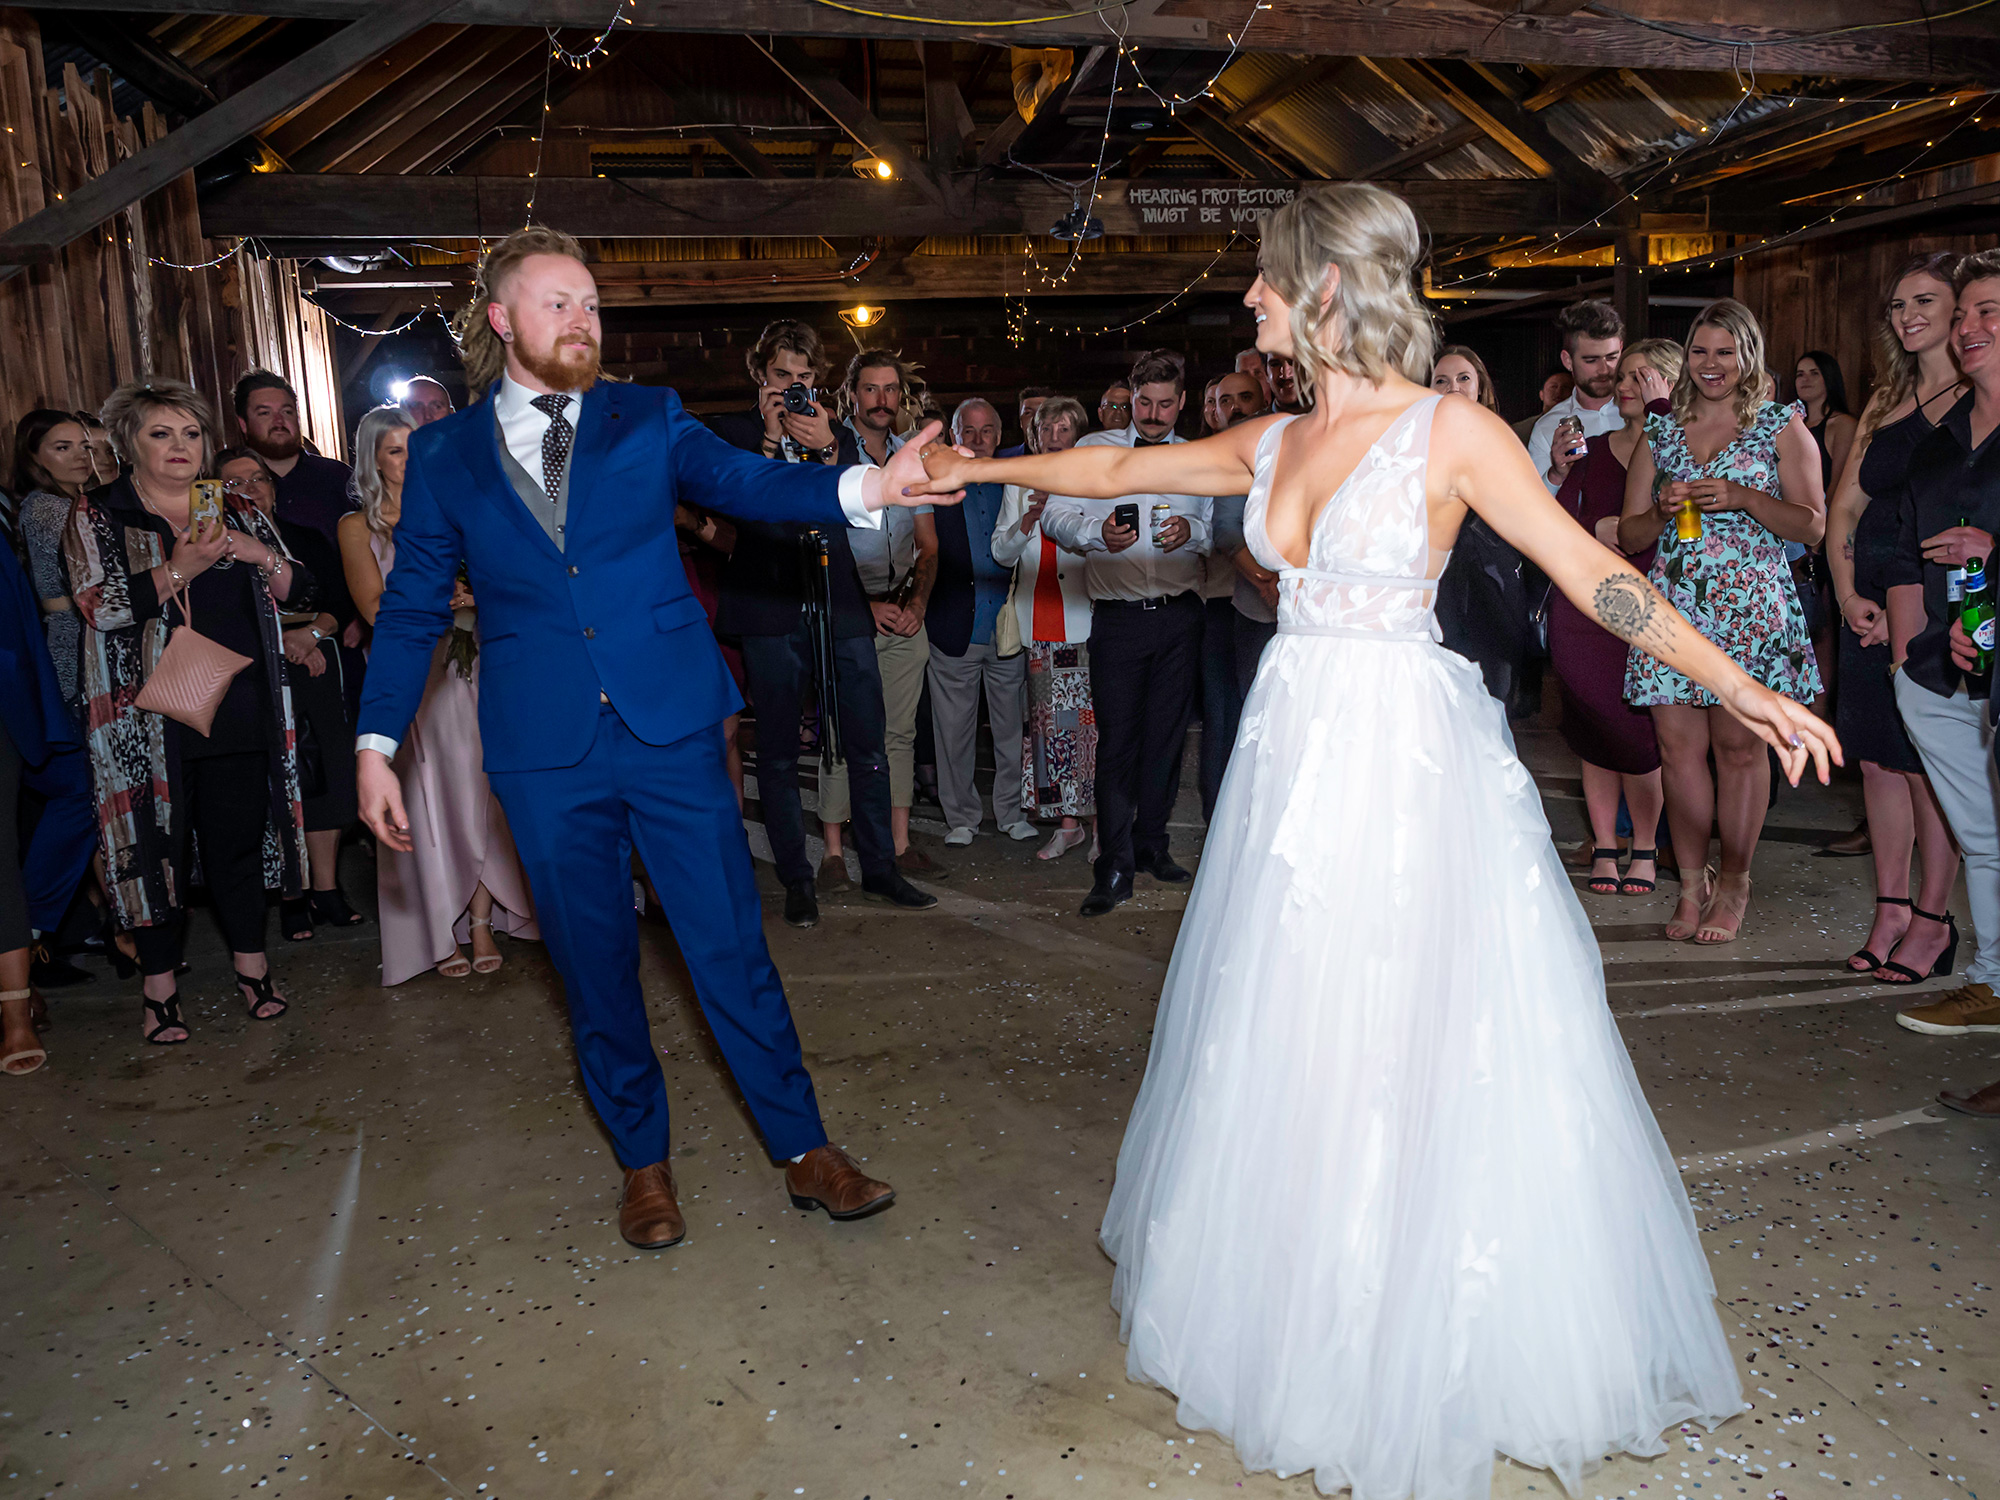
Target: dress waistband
[1364, 580]
[1355, 633]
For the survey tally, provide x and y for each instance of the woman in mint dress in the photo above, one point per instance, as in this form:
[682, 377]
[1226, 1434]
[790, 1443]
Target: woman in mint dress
[1750, 467]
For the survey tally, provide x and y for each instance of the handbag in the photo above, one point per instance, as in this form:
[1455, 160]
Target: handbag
[1007, 628]
[192, 674]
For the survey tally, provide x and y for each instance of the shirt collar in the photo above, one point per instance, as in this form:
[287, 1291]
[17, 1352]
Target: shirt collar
[515, 399]
[896, 440]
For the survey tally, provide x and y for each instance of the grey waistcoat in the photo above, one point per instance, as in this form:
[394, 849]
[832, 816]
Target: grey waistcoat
[553, 514]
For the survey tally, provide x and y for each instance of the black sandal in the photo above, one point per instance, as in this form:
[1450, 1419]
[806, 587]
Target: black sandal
[1631, 885]
[296, 917]
[262, 994]
[331, 908]
[1945, 960]
[166, 1014]
[1875, 963]
[1603, 885]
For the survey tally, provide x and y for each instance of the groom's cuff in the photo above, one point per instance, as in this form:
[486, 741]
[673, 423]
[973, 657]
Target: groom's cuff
[851, 504]
[380, 742]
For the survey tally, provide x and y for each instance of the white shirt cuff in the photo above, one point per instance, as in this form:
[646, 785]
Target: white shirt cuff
[851, 503]
[380, 742]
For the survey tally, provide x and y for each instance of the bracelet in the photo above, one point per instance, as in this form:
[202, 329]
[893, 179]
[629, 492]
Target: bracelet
[174, 579]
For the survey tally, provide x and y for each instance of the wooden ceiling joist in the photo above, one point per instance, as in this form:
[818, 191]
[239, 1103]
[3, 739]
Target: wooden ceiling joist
[849, 113]
[415, 103]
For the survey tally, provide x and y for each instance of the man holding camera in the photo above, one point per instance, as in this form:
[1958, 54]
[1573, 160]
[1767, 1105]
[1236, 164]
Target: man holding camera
[791, 596]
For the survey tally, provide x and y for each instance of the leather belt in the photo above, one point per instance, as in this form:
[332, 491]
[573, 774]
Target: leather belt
[1158, 603]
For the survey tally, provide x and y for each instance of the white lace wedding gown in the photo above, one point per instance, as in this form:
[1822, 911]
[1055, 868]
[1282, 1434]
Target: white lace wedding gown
[1391, 1201]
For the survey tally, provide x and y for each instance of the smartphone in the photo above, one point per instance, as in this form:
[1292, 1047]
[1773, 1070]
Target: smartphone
[205, 505]
[1126, 516]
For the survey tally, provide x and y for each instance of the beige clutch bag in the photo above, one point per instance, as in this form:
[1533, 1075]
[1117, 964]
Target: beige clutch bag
[193, 674]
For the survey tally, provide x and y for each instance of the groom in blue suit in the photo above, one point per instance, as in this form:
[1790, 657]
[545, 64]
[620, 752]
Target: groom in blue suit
[602, 696]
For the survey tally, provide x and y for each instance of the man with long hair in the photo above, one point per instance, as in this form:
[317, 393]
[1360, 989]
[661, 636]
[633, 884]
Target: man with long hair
[604, 695]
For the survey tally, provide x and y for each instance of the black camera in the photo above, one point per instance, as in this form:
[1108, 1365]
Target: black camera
[798, 398]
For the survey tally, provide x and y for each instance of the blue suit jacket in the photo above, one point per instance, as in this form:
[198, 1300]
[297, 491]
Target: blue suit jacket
[611, 612]
[31, 704]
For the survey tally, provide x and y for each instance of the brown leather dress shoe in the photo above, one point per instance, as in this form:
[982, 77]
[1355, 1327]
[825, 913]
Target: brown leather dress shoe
[1985, 1104]
[648, 1216]
[829, 1179]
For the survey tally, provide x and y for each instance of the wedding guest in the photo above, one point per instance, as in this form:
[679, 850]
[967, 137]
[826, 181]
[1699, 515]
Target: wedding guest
[425, 400]
[1747, 469]
[1555, 386]
[1918, 387]
[312, 490]
[1051, 609]
[966, 661]
[1461, 372]
[1593, 335]
[141, 563]
[1238, 399]
[1281, 377]
[1114, 407]
[463, 881]
[103, 457]
[1031, 399]
[52, 468]
[1251, 362]
[1613, 740]
[1821, 389]
[312, 672]
[1211, 414]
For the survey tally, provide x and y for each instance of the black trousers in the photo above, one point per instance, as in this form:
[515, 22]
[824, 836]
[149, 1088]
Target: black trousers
[224, 801]
[777, 670]
[1252, 636]
[1144, 659]
[1221, 698]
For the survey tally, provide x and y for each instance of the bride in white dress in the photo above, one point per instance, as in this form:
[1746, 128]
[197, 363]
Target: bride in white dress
[1391, 1201]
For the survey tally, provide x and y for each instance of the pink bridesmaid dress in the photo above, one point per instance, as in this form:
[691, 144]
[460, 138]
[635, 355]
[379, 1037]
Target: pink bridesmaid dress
[457, 826]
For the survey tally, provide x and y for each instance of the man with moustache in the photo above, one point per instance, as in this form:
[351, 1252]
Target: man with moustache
[1282, 379]
[1230, 594]
[1593, 339]
[604, 695]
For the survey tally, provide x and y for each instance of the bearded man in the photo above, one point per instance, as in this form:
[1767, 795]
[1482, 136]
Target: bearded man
[603, 695]
[312, 490]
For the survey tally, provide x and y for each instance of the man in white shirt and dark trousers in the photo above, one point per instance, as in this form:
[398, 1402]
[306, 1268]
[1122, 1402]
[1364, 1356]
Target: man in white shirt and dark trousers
[1593, 338]
[1145, 639]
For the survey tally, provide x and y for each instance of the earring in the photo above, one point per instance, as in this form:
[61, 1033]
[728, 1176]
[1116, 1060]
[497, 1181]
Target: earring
[506, 338]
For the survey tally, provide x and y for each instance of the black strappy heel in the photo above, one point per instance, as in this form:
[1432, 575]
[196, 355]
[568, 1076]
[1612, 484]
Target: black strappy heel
[1874, 963]
[167, 1013]
[1945, 960]
[296, 917]
[1631, 885]
[1598, 882]
[261, 994]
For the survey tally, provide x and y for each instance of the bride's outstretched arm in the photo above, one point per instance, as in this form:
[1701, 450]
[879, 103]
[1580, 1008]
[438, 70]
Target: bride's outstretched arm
[1216, 465]
[1474, 463]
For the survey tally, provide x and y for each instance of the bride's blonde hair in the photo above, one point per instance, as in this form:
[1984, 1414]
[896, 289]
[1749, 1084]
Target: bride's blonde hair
[1374, 322]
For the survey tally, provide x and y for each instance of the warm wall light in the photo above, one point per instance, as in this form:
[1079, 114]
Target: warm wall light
[873, 166]
[861, 315]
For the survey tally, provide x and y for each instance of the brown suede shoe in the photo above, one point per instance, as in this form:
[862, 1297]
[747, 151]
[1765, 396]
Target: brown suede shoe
[828, 1179]
[913, 861]
[1985, 1104]
[648, 1216]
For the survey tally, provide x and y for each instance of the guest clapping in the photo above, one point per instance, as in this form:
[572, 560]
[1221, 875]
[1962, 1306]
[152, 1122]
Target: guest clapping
[141, 564]
[1725, 479]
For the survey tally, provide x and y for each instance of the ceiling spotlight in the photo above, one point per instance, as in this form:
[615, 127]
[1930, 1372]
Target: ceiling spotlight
[1142, 124]
[873, 166]
[1077, 224]
[861, 315]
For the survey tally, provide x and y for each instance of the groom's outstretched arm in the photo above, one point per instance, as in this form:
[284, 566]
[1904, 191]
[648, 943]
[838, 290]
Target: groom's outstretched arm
[415, 610]
[720, 476]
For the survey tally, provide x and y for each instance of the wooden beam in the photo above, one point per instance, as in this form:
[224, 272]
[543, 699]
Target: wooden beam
[415, 103]
[1234, 149]
[944, 109]
[1296, 82]
[848, 112]
[151, 169]
[1521, 131]
[1408, 160]
[134, 56]
[736, 144]
[361, 87]
[1561, 84]
[382, 207]
[1787, 36]
[1630, 282]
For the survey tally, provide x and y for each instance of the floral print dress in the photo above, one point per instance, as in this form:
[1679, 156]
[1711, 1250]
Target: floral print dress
[1733, 583]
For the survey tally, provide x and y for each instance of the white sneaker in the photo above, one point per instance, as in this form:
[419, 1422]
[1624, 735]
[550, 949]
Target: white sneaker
[1021, 831]
[958, 838]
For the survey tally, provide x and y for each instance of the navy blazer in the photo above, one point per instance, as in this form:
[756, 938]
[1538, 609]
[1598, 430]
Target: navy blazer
[610, 613]
[31, 703]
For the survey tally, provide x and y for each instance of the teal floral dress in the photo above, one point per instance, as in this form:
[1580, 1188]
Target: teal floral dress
[1733, 584]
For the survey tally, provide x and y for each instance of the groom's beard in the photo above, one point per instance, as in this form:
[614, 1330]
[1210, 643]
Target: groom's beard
[570, 365]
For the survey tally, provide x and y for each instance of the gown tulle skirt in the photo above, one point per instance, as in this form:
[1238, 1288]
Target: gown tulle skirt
[460, 834]
[1391, 1202]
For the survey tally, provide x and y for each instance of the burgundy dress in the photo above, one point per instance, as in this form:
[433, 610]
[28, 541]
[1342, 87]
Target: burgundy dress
[1598, 724]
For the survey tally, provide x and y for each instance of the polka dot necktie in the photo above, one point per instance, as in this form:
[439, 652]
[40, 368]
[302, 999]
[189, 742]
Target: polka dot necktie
[556, 442]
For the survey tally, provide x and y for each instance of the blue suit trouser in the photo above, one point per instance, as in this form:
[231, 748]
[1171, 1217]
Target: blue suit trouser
[575, 828]
[38, 880]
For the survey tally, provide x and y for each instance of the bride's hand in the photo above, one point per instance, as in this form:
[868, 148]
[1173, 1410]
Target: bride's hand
[1797, 735]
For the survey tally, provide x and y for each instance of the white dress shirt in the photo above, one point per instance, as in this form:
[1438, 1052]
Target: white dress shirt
[1542, 441]
[1142, 570]
[523, 425]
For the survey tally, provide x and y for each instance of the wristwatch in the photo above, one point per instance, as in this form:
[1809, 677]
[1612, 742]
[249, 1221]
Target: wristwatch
[318, 635]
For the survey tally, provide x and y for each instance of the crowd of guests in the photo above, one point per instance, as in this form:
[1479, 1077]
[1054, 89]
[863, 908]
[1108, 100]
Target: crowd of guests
[1825, 551]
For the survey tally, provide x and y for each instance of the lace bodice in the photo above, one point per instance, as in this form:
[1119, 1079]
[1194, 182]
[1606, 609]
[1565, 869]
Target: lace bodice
[1368, 566]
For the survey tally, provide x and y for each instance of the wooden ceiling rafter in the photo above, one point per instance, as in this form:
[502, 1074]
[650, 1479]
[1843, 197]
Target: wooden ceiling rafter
[415, 103]
[360, 88]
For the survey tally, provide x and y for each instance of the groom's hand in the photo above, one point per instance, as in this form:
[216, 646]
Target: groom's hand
[903, 480]
[381, 798]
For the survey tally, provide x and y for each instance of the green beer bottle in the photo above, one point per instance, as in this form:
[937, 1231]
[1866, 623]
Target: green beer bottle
[1976, 615]
[1954, 587]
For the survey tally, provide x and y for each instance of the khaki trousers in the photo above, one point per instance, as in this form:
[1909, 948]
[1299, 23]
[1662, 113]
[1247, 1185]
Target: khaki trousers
[902, 659]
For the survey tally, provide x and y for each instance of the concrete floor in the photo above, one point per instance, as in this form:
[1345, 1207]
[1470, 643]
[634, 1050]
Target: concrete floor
[371, 1251]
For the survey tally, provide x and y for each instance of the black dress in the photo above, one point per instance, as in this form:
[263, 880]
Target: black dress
[1865, 716]
[320, 703]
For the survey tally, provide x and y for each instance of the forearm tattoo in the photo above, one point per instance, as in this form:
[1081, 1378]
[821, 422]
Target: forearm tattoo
[1627, 606]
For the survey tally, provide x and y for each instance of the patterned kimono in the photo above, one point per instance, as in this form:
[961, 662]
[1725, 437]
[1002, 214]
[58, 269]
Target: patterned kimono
[134, 759]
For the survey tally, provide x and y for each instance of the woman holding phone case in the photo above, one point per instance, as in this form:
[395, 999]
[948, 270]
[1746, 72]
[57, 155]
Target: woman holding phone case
[147, 553]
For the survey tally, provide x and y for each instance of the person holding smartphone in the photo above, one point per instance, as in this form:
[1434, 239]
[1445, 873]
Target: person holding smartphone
[1146, 625]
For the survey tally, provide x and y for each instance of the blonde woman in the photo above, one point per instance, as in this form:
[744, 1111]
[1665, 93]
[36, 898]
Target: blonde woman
[1749, 471]
[462, 882]
[1391, 1201]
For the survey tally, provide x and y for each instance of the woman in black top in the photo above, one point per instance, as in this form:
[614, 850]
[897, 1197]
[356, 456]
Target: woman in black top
[1920, 384]
[161, 787]
[319, 700]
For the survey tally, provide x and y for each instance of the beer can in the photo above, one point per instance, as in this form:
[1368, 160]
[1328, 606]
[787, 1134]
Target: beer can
[1162, 513]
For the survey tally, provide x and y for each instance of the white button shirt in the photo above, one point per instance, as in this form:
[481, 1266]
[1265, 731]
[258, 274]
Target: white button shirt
[1142, 570]
[1542, 441]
